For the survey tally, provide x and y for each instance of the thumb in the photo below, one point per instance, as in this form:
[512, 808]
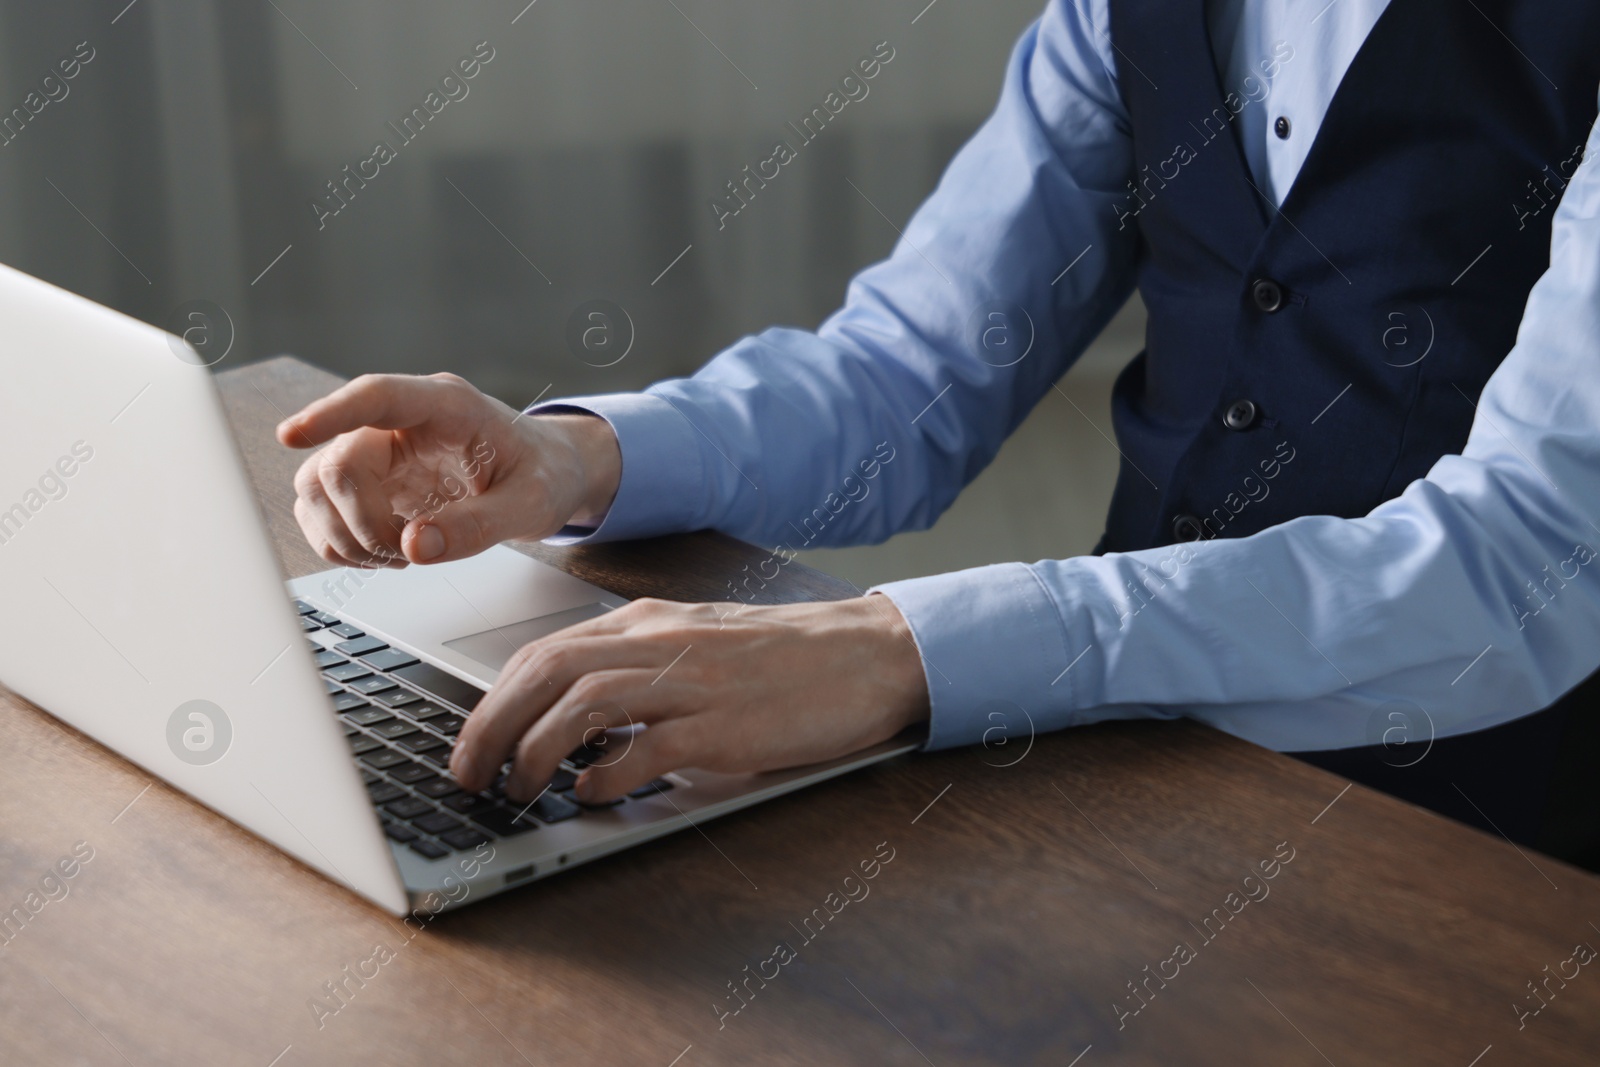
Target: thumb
[460, 529]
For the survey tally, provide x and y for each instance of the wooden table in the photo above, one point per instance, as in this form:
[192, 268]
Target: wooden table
[1019, 904]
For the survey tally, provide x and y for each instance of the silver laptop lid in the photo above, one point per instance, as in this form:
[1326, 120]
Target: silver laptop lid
[143, 603]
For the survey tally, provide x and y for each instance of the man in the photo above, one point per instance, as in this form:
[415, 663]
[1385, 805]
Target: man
[1335, 213]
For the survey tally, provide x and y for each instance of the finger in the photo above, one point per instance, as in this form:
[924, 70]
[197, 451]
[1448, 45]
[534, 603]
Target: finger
[666, 745]
[358, 501]
[461, 528]
[311, 527]
[322, 526]
[386, 401]
[596, 703]
[535, 678]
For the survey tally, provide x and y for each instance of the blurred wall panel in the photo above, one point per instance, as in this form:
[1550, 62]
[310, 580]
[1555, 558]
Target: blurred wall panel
[581, 162]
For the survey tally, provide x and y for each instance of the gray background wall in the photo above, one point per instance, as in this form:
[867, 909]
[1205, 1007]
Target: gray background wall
[183, 161]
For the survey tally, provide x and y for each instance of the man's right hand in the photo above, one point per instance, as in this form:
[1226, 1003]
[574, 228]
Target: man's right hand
[428, 469]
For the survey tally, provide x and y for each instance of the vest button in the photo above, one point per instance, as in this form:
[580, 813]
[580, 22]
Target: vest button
[1187, 528]
[1267, 294]
[1241, 415]
[1281, 128]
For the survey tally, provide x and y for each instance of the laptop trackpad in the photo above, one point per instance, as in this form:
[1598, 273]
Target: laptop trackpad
[492, 648]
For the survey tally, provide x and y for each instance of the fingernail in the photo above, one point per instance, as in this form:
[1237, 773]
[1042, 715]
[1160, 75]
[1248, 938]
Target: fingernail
[461, 766]
[429, 543]
[583, 789]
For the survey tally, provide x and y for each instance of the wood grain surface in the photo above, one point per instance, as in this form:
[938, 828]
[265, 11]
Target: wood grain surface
[1029, 888]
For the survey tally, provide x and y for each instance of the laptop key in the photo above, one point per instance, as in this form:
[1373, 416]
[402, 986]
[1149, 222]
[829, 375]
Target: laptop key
[464, 838]
[408, 808]
[423, 712]
[303, 608]
[437, 823]
[348, 729]
[394, 728]
[347, 702]
[553, 807]
[504, 823]
[447, 687]
[360, 646]
[326, 659]
[411, 772]
[385, 758]
[375, 683]
[449, 724]
[584, 755]
[360, 744]
[439, 757]
[345, 671]
[421, 742]
[332, 686]
[437, 789]
[345, 630]
[429, 849]
[388, 659]
[367, 716]
[468, 803]
[395, 698]
[399, 832]
[307, 623]
[368, 778]
[384, 792]
[563, 780]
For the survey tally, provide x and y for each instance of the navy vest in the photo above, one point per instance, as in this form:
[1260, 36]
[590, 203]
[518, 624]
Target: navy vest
[1317, 359]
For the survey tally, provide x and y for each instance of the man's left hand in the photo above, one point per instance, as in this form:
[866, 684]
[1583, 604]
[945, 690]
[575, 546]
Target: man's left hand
[723, 687]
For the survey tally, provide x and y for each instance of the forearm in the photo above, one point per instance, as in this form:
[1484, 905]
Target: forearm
[1472, 596]
[1292, 638]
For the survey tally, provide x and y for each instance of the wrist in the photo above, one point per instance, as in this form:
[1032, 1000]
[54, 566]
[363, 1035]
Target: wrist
[598, 459]
[899, 661]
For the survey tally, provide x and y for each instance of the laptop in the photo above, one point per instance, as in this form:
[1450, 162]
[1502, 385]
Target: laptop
[144, 606]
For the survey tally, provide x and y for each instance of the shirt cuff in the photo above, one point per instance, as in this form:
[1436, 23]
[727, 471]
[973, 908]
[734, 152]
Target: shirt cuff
[663, 479]
[993, 647]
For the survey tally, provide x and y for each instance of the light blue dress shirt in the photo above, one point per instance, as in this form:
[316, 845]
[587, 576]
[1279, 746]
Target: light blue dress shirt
[1470, 598]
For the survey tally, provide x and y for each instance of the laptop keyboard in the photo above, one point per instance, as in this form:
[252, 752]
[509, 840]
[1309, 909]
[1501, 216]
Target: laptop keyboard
[400, 717]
